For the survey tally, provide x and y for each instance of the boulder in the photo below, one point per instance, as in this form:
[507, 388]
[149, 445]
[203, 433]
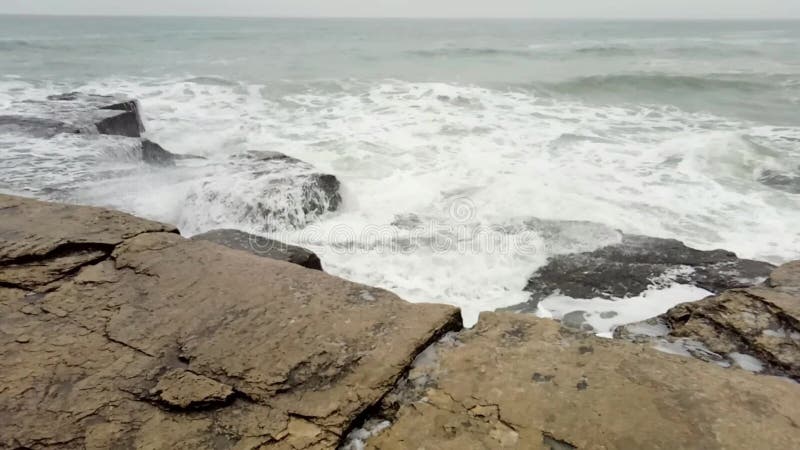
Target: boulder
[166, 343]
[519, 382]
[264, 247]
[757, 328]
[630, 267]
[273, 192]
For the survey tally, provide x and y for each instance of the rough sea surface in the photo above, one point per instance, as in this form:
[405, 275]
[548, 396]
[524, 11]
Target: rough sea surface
[447, 136]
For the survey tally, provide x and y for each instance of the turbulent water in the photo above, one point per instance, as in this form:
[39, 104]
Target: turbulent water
[447, 136]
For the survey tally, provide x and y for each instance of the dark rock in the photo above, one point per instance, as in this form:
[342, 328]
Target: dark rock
[126, 123]
[264, 247]
[155, 154]
[633, 265]
[131, 106]
[321, 194]
[76, 112]
[35, 126]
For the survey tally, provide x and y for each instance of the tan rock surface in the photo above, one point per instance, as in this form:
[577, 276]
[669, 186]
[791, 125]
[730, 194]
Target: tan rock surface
[41, 243]
[760, 322]
[167, 343]
[518, 382]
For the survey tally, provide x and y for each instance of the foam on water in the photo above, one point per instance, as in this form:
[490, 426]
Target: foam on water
[605, 315]
[470, 163]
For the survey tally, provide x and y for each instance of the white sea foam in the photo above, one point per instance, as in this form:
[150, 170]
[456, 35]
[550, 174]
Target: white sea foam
[605, 315]
[747, 362]
[403, 148]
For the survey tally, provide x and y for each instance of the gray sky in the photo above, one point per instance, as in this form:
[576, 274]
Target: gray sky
[709, 9]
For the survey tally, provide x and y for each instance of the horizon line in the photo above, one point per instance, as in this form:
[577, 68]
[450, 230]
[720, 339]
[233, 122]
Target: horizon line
[215, 16]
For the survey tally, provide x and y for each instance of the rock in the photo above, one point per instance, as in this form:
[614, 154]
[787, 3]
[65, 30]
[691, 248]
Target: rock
[28, 240]
[182, 389]
[35, 126]
[83, 113]
[155, 154]
[519, 382]
[630, 267]
[758, 327]
[124, 123]
[261, 246]
[173, 343]
[272, 192]
[576, 320]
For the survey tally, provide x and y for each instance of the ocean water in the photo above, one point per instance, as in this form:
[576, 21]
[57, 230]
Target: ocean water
[448, 136]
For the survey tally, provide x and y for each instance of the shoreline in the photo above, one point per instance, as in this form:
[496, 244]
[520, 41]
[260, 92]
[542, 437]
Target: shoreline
[197, 343]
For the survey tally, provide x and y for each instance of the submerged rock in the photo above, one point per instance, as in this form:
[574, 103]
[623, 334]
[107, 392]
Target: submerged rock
[757, 328]
[630, 267]
[166, 343]
[519, 382]
[155, 154]
[35, 126]
[272, 192]
[261, 246]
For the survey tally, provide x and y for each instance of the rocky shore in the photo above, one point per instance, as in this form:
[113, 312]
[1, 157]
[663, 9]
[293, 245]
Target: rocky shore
[116, 332]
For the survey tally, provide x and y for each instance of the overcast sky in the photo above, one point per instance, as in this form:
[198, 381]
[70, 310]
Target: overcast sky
[708, 9]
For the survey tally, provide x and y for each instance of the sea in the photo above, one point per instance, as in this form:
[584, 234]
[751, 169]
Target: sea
[453, 140]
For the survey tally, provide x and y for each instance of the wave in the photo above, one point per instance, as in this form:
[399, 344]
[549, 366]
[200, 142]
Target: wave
[606, 50]
[658, 81]
[211, 81]
[469, 52]
[21, 44]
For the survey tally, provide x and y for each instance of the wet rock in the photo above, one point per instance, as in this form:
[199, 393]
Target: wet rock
[175, 343]
[155, 154]
[576, 320]
[35, 126]
[272, 192]
[75, 113]
[261, 246]
[124, 123]
[756, 328]
[636, 263]
[540, 391]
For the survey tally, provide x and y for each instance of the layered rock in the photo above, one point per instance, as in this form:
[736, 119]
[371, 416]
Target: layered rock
[518, 382]
[757, 328]
[117, 332]
[630, 267]
[77, 113]
[261, 246]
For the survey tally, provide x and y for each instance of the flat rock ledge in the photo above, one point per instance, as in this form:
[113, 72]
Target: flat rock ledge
[757, 328]
[116, 332]
[520, 382]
